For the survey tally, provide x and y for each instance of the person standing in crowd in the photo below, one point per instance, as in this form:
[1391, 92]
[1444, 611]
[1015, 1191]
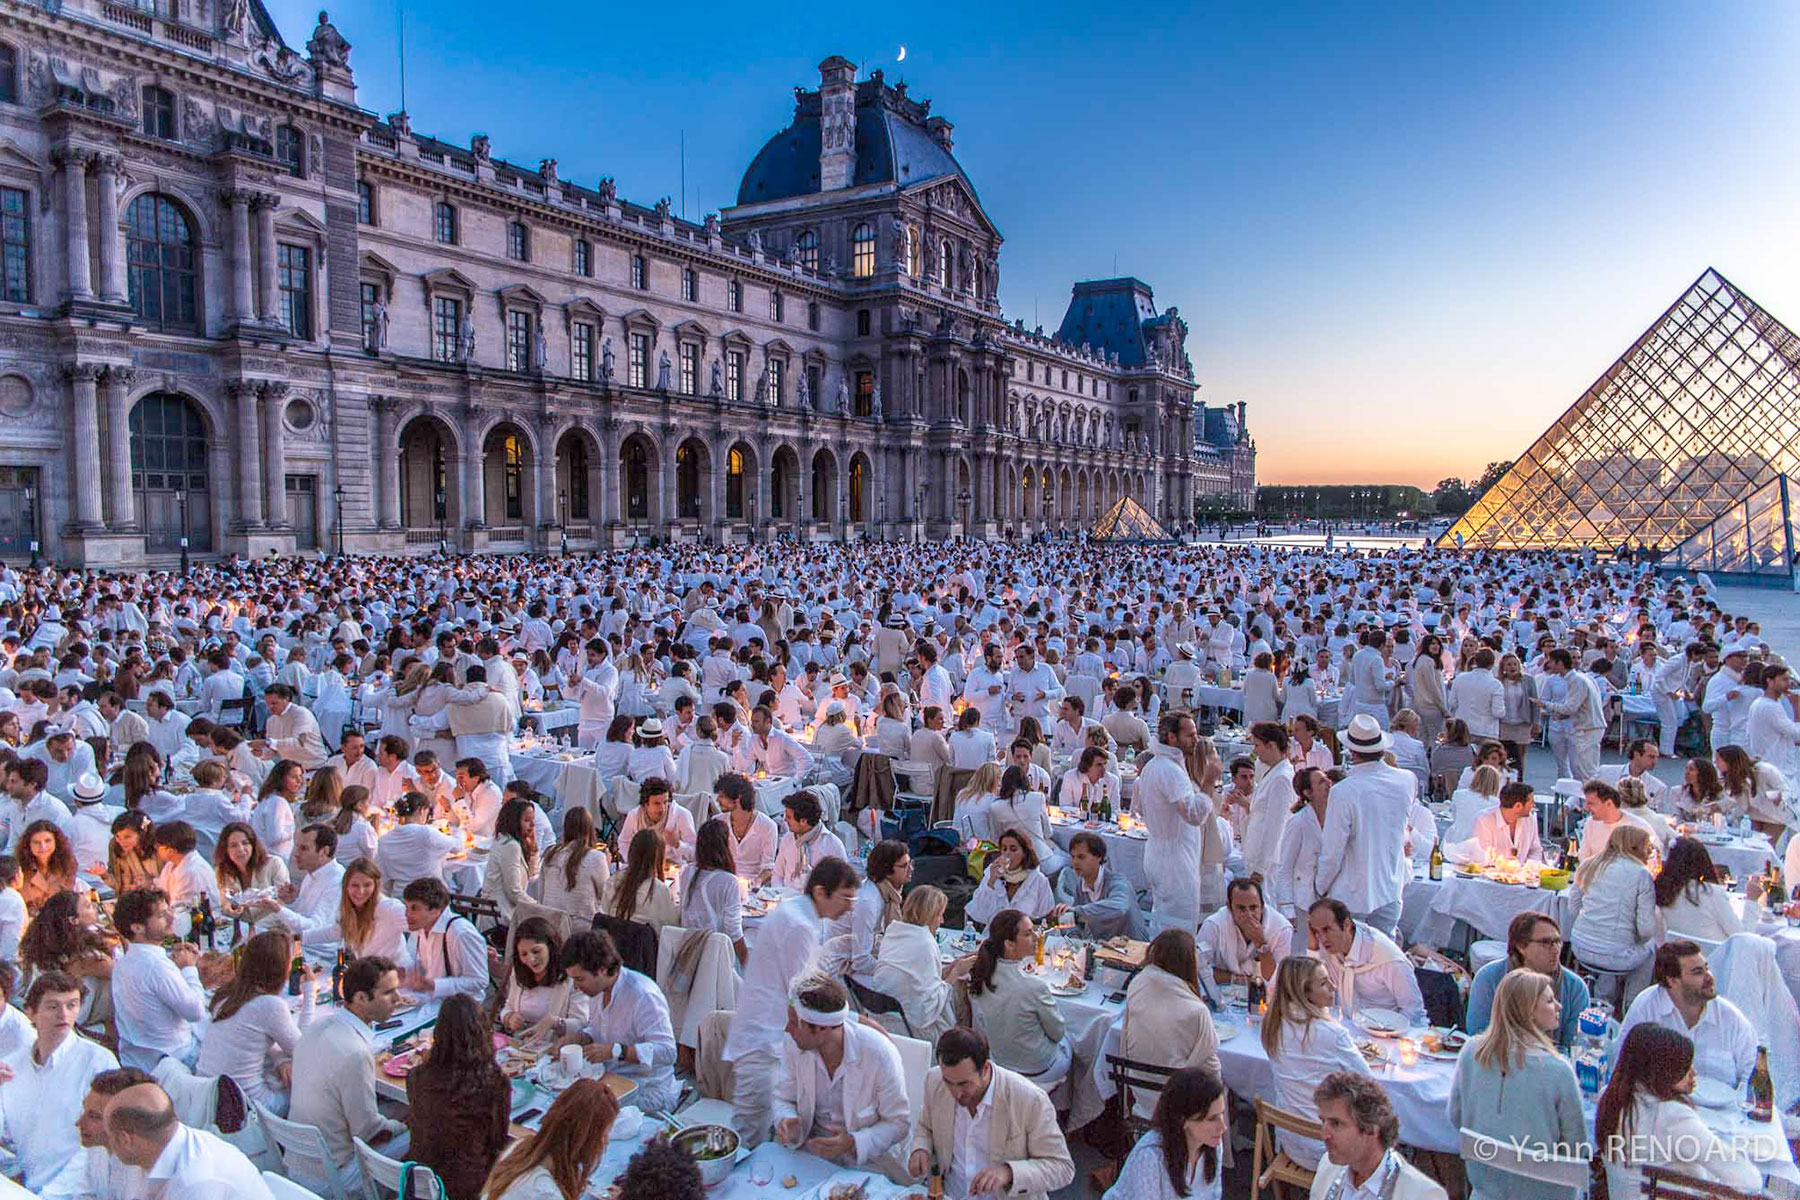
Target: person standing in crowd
[1173, 811]
[1362, 856]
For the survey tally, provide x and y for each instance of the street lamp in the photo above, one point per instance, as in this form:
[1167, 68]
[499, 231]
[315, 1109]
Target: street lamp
[31, 523]
[443, 538]
[881, 508]
[965, 499]
[181, 502]
[562, 517]
[338, 495]
[919, 508]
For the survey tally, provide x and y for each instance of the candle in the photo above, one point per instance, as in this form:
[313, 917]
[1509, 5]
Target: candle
[1409, 1052]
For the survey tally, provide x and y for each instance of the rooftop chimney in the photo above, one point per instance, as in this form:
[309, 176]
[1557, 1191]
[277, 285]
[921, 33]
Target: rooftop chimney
[837, 123]
[939, 129]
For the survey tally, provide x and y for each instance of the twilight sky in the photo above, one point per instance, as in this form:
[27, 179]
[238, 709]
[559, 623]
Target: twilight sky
[1408, 236]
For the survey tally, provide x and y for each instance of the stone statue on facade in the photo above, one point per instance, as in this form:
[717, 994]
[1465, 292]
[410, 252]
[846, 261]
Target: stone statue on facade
[380, 322]
[606, 361]
[540, 352]
[663, 369]
[234, 16]
[482, 147]
[762, 390]
[712, 225]
[465, 341]
[754, 240]
[875, 402]
[718, 380]
[664, 208]
[897, 233]
[805, 389]
[327, 46]
[547, 168]
[608, 191]
[843, 395]
[965, 267]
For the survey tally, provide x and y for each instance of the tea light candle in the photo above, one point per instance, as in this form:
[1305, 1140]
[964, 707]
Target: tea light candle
[1409, 1052]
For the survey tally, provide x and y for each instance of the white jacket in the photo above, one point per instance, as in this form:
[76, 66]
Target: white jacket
[876, 1110]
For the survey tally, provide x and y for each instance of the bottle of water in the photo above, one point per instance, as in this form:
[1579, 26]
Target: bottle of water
[1592, 1028]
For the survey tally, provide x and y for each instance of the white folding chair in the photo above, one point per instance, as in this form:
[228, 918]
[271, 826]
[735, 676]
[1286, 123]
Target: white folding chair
[915, 1063]
[921, 775]
[1526, 1163]
[381, 1176]
[283, 1188]
[625, 796]
[303, 1152]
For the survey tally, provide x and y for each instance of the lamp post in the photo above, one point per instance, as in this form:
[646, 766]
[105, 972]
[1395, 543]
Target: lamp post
[881, 508]
[443, 537]
[919, 508]
[562, 518]
[337, 494]
[964, 499]
[181, 503]
[31, 523]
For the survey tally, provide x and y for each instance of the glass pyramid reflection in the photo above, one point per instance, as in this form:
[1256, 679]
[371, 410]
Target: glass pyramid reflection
[1753, 537]
[1700, 411]
[1127, 521]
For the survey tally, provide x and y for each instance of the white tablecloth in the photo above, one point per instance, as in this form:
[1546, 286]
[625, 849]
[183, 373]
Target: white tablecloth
[549, 720]
[1742, 856]
[1487, 907]
[1124, 854]
[574, 782]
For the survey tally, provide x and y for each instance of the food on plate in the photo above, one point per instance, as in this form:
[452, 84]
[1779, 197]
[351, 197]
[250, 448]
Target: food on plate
[789, 1181]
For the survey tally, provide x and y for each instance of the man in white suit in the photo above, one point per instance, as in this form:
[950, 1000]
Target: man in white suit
[840, 1089]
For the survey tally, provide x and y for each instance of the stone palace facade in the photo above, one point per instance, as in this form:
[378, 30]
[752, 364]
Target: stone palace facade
[240, 311]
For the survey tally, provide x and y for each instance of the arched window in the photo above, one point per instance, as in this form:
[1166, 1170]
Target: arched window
[159, 113]
[806, 250]
[169, 472]
[637, 482]
[512, 476]
[912, 252]
[962, 397]
[734, 485]
[577, 479]
[160, 251]
[290, 148]
[949, 266]
[9, 74]
[687, 481]
[856, 490]
[862, 251]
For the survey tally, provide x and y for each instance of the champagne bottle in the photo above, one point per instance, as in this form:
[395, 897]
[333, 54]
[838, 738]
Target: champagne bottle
[1571, 856]
[1778, 893]
[337, 977]
[1437, 859]
[1762, 1088]
[205, 926]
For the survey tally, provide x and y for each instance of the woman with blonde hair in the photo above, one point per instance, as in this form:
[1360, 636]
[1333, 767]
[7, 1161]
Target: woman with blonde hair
[367, 922]
[1304, 1044]
[907, 966]
[1512, 1085]
[1634, 798]
[399, 700]
[1479, 795]
[976, 797]
[1615, 920]
[322, 792]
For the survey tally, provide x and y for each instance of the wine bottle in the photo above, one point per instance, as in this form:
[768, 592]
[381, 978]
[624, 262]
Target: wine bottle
[1778, 893]
[1571, 856]
[205, 926]
[1437, 859]
[294, 975]
[337, 977]
[1762, 1088]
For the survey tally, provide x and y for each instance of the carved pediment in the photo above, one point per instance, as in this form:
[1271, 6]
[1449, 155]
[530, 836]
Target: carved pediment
[521, 295]
[951, 196]
[583, 309]
[14, 158]
[448, 279]
[692, 329]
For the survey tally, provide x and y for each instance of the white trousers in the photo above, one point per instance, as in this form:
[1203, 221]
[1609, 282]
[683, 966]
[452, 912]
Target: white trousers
[1584, 753]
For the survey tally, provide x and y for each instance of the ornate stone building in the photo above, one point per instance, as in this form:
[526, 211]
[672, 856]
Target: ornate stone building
[238, 309]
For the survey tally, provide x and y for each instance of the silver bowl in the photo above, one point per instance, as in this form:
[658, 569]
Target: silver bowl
[718, 1141]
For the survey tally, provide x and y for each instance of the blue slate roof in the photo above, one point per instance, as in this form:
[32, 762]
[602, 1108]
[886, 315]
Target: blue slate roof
[1109, 315]
[890, 148]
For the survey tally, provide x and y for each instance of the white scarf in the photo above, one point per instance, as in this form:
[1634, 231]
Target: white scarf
[1381, 954]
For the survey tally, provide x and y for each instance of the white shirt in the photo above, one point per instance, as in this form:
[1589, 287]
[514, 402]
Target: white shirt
[794, 860]
[754, 853]
[637, 1014]
[453, 955]
[970, 1154]
[154, 1004]
[361, 773]
[1521, 843]
[1223, 946]
[274, 822]
[1654, 788]
[1480, 700]
[1772, 735]
[715, 901]
[789, 939]
[39, 1104]
[784, 757]
[12, 924]
[316, 904]
[389, 786]
[969, 748]
[1595, 833]
[1361, 859]
[676, 817]
[197, 1165]
[1375, 974]
[169, 732]
[1724, 1041]
[241, 1045]
[409, 852]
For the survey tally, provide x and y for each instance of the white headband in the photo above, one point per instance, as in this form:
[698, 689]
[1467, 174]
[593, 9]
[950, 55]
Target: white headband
[813, 1016]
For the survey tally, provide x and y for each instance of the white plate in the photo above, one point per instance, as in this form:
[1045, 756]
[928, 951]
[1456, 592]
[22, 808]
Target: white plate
[1225, 1028]
[1382, 1022]
[1714, 1093]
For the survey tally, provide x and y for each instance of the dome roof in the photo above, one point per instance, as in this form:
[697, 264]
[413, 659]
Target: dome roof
[894, 144]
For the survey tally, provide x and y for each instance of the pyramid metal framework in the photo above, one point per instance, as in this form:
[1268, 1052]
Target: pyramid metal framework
[1127, 521]
[1699, 412]
[1755, 537]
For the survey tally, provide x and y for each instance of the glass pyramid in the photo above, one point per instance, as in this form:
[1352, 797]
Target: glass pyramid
[1753, 537]
[1127, 521]
[1699, 412]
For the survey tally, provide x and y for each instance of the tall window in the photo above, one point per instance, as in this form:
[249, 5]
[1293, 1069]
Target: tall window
[949, 270]
[518, 242]
[9, 75]
[512, 470]
[444, 224]
[365, 202]
[169, 454]
[371, 325]
[912, 252]
[518, 340]
[690, 284]
[578, 478]
[776, 373]
[806, 250]
[690, 368]
[775, 306]
[812, 315]
[446, 319]
[687, 480]
[584, 257]
[15, 242]
[865, 393]
[639, 362]
[159, 245]
[159, 113]
[734, 485]
[734, 375]
[734, 296]
[290, 149]
[581, 352]
[295, 277]
[640, 272]
[862, 251]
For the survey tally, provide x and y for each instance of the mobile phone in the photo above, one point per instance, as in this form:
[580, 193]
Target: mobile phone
[527, 1115]
[1115, 998]
[393, 1024]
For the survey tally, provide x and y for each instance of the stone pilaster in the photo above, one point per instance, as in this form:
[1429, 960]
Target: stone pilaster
[84, 442]
[273, 397]
[243, 304]
[113, 288]
[121, 501]
[249, 451]
[268, 300]
[387, 450]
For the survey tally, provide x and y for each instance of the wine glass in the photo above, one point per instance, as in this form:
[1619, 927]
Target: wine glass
[762, 1171]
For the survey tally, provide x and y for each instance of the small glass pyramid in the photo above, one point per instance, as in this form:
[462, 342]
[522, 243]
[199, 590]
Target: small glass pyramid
[1127, 521]
[1753, 537]
[1703, 409]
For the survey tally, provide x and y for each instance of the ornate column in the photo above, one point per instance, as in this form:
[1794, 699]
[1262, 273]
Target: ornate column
[665, 478]
[84, 444]
[249, 452]
[242, 303]
[268, 297]
[74, 165]
[387, 457]
[274, 398]
[543, 474]
[121, 503]
[113, 288]
[984, 481]
[474, 483]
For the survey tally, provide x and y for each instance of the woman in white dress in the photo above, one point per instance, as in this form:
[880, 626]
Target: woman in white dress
[251, 1032]
[1692, 902]
[974, 801]
[356, 836]
[368, 922]
[1017, 807]
[574, 874]
[1179, 1156]
[1012, 880]
[538, 991]
[1753, 788]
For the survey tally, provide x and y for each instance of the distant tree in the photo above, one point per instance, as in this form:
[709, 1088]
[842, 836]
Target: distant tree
[1494, 473]
[1451, 496]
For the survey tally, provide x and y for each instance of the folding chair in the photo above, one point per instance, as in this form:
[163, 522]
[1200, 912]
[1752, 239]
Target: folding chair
[878, 1004]
[303, 1153]
[1128, 1076]
[1280, 1169]
[384, 1177]
[1663, 1184]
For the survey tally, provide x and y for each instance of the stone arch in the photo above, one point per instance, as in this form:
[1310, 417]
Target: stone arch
[208, 228]
[693, 480]
[1027, 498]
[1083, 515]
[179, 466]
[1065, 497]
[823, 484]
[509, 465]
[859, 490]
[578, 475]
[640, 479]
[743, 470]
[429, 467]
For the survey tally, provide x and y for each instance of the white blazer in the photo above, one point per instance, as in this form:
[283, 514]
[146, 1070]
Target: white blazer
[876, 1110]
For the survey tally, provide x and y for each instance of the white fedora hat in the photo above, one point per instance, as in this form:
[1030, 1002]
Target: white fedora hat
[1366, 736]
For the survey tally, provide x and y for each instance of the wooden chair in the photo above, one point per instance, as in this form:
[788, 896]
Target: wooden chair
[1128, 1076]
[1663, 1184]
[476, 908]
[303, 1153]
[1269, 1166]
[382, 1176]
[1508, 1156]
[238, 713]
[878, 1004]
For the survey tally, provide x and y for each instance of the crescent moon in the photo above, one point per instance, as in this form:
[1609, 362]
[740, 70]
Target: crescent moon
[901, 57]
